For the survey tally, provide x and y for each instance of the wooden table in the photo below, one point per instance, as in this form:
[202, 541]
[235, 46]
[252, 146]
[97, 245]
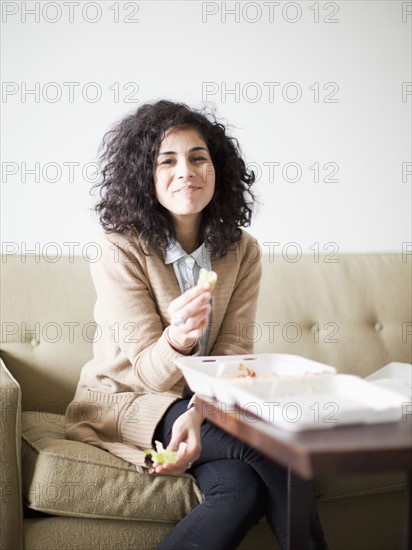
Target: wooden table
[338, 450]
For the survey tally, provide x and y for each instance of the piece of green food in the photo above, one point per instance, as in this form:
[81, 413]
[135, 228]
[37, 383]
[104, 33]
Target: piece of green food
[206, 276]
[162, 455]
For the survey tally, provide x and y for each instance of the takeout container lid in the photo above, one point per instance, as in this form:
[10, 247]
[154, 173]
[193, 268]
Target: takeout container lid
[292, 392]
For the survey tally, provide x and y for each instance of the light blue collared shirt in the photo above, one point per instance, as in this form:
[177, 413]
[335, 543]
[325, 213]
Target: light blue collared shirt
[187, 268]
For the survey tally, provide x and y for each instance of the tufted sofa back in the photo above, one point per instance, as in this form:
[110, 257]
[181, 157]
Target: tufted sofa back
[354, 314]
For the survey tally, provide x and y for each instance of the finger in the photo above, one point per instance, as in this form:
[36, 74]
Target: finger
[189, 296]
[178, 468]
[177, 442]
[188, 461]
[199, 331]
[168, 468]
[195, 319]
[199, 307]
[192, 328]
[193, 449]
[181, 450]
[184, 462]
[190, 449]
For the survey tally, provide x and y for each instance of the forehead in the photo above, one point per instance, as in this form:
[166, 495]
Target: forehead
[182, 136]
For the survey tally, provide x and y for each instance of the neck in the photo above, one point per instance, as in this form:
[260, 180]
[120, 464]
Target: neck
[187, 234]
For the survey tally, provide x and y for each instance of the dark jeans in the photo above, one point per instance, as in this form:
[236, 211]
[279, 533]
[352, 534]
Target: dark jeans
[240, 486]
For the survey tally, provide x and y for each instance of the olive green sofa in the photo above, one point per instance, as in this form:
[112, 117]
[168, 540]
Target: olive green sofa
[350, 311]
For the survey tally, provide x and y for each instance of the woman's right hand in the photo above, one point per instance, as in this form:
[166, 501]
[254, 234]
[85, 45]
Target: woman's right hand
[189, 314]
[186, 441]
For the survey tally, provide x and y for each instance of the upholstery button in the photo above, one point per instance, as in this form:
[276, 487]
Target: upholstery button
[34, 342]
[378, 327]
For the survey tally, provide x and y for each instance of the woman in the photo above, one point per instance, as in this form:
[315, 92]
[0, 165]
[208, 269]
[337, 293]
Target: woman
[173, 196]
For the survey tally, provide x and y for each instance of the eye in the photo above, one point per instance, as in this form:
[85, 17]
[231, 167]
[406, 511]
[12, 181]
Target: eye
[166, 161]
[199, 158]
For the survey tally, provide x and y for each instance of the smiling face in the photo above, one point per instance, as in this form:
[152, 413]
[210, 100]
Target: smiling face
[184, 175]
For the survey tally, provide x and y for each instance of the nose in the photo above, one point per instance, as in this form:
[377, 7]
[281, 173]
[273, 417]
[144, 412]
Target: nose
[184, 169]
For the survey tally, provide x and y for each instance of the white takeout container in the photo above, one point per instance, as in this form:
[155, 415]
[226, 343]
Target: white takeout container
[211, 375]
[292, 392]
[320, 402]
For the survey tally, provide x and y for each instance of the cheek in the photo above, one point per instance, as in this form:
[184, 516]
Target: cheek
[208, 174]
[212, 178]
[211, 188]
[160, 180]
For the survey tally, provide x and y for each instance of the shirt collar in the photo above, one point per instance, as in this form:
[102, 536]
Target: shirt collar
[175, 252]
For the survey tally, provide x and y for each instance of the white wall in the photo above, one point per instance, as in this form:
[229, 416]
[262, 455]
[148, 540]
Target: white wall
[353, 73]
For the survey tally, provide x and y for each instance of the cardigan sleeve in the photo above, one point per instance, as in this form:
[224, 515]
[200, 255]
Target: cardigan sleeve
[129, 318]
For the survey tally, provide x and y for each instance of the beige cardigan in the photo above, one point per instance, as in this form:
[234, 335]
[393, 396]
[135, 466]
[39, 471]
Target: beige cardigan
[125, 389]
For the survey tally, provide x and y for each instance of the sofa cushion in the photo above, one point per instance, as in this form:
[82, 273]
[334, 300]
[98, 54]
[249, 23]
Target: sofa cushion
[330, 488]
[68, 478]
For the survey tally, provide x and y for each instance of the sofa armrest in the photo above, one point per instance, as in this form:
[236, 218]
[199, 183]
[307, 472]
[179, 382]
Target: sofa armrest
[11, 507]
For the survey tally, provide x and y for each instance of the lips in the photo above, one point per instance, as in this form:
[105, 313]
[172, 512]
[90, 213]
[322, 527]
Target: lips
[188, 188]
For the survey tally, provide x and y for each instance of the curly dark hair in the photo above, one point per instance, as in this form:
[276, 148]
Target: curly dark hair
[128, 157]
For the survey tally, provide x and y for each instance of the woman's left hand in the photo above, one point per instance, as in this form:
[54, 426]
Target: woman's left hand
[186, 441]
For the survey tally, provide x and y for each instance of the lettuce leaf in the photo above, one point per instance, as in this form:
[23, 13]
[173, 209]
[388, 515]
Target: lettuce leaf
[162, 455]
[206, 276]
